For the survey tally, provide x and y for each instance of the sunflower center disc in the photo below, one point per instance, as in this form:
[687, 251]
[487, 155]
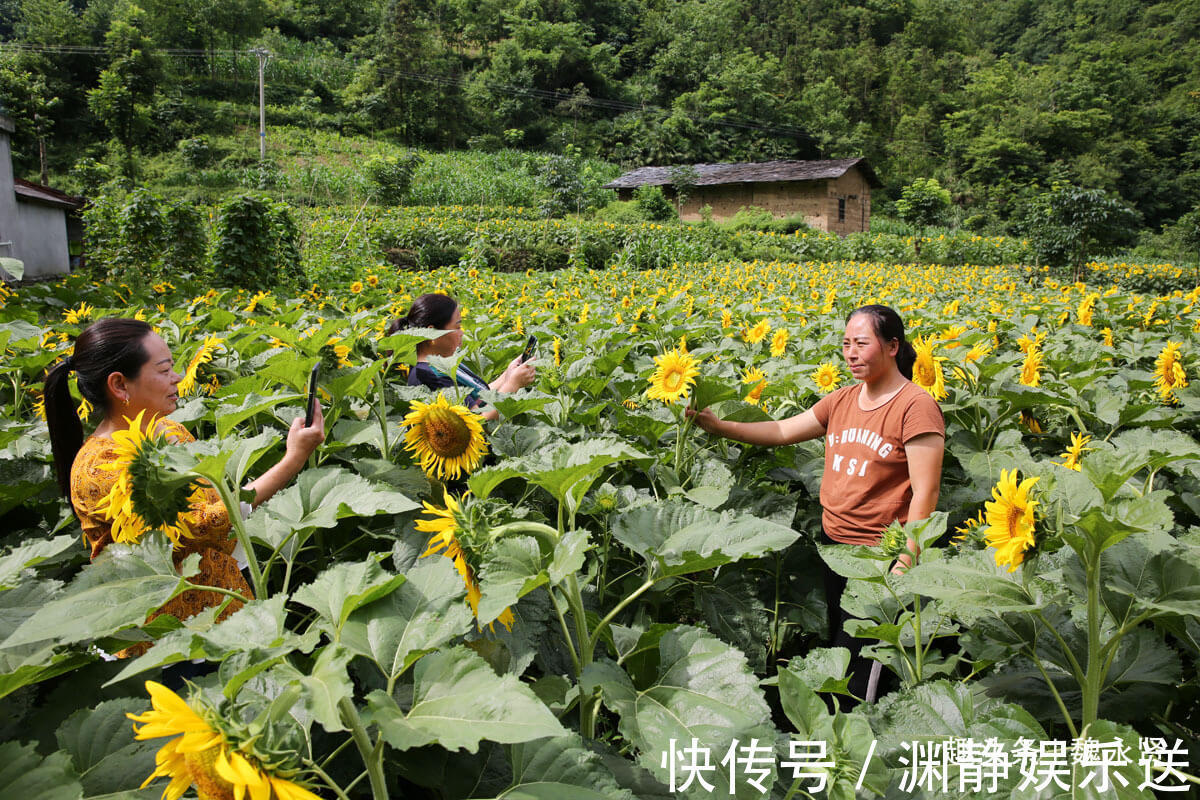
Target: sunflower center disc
[447, 433]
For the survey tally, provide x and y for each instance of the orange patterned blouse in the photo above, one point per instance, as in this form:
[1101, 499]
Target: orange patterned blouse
[209, 524]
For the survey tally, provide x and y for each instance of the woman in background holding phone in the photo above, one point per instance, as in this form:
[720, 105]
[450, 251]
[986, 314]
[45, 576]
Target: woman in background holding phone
[443, 312]
[123, 368]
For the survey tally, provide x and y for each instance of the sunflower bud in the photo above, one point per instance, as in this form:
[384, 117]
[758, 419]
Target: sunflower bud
[895, 540]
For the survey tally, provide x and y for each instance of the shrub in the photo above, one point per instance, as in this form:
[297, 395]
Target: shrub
[196, 152]
[391, 176]
[255, 244]
[620, 213]
[92, 176]
[653, 204]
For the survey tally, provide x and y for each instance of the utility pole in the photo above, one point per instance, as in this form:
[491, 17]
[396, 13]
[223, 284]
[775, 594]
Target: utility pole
[263, 55]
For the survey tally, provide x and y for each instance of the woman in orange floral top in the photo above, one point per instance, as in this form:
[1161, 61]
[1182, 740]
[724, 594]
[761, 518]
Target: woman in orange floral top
[124, 368]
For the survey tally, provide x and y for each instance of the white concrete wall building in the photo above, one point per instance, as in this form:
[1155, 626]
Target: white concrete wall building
[33, 219]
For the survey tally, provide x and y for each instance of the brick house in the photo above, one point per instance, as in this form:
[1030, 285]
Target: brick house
[833, 195]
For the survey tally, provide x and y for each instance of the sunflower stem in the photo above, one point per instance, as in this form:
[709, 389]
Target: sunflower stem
[1095, 673]
[562, 621]
[328, 781]
[371, 755]
[234, 509]
[543, 533]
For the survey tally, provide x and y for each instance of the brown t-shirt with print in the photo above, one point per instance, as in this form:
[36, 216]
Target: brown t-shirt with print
[865, 486]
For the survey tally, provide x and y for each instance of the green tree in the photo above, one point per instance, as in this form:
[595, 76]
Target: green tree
[684, 178]
[922, 204]
[121, 99]
[1069, 225]
[255, 244]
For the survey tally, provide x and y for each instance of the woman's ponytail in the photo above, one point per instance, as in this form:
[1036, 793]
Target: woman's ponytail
[906, 356]
[66, 430]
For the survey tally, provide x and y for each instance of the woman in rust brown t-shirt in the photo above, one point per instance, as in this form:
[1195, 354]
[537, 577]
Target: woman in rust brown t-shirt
[884, 440]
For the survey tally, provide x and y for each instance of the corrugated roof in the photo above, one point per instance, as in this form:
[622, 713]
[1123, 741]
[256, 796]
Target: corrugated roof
[31, 192]
[761, 172]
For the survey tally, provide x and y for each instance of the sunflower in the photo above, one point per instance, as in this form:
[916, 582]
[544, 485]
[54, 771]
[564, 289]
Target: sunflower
[927, 369]
[754, 396]
[969, 530]
[779, 342]
[950, 336]
[1010, 519]
[726, 319]
[758, 332]
[1168, 373]
[1075, 450]
[1087, 307]
[1030, 422]
[753, 375]
[146, 496]
[673, 376]
[1031, 367]
[73, 316]
[445, 526]
[826, 377]
[356, 287]
[447, 439]
[200, 754]
[204, 355]
[1108, 337]
[977, 351]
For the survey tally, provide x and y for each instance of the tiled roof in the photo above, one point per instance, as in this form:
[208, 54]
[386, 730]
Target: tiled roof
[762, 172]
[31, 192]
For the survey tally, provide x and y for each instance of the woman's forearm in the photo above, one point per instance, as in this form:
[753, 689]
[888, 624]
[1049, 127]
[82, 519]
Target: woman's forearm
[765, 434]
[274, 479]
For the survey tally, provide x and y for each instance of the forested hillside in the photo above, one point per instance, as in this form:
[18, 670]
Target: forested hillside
[995, 99]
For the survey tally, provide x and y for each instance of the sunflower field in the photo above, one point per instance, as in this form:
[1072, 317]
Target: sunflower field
[589, 597]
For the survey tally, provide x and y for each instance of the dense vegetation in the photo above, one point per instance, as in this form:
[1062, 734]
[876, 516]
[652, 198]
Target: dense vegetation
[614, 582]
[992, 99]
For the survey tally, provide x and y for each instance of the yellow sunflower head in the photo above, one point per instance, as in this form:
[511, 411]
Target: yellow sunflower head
[148, 493]
[460, 533]
[673, 377]
[969, 530]
[204, 355]
[927, 369]
[757, 333]
[827, 377]
[1075, 450]
[202, 752]
[779, 342]
[1169, 374]
[1031, 368]
[1010, 519]
[356, 287]
[446, 439]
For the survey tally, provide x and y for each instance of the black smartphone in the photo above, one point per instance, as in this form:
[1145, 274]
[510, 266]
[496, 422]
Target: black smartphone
[311, 407]
[530, 349]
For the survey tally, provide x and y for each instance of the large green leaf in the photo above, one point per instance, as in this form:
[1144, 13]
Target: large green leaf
[318, 499]
[258, 627]
[423, 613]
[116, 591]
[27, 664]
[971, 586]
[701, 688]
[102, 748]
[24, 775]
[13, 563]
[512, 568]
[324, 686]
[457, 702]
[559, 768]
[679, 536]
[344, 587]
[566, 472]
[230, 416]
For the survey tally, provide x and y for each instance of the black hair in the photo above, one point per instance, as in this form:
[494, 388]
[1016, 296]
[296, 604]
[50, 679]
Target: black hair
[428, 311]
[104, 347]
[888, 327]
